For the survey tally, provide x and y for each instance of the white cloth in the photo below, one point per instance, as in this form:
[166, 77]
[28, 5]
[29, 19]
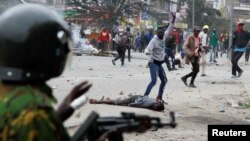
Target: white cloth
[204, 42]
[203, 62]
[204, 38]
[77, 103]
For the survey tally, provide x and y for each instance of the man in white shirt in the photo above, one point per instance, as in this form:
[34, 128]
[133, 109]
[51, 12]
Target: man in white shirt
[205, 48]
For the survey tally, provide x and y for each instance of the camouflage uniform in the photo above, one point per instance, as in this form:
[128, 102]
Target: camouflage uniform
[26, 114]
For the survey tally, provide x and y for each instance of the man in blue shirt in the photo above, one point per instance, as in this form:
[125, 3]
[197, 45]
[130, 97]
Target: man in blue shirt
[149, 36]
[240, 40]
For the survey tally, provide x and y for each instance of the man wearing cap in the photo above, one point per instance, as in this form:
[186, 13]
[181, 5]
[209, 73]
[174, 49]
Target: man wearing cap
[240, 40]
[192, 48]
[204, 48]
[214, 38]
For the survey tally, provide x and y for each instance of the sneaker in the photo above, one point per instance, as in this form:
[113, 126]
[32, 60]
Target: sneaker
[184, 80]
[203, 75]
[240, 73]
[234, 76]
[113, 62]
[192, 86]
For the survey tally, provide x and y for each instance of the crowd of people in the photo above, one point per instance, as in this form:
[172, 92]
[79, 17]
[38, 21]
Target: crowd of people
[178, 48]
[214, 44]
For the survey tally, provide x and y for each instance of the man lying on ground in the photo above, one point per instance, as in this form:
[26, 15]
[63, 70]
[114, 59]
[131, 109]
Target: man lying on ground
[133, 101]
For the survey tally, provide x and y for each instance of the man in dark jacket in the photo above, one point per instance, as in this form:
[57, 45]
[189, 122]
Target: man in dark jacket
[240, 40]
[170, 44]
[128, 42]
[120, 43]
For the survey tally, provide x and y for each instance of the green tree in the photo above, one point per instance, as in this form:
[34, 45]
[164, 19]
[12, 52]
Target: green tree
[205, 14]
[103, 13]
[106, 13]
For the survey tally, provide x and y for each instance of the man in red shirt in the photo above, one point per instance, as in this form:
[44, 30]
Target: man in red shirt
[103, 40]
[176, 34]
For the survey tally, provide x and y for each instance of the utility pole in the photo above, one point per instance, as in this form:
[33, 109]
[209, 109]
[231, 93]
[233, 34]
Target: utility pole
[231, 29]
[193, 13]
[178, 5]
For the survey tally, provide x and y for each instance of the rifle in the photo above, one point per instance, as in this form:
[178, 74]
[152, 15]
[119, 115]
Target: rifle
[97, 128]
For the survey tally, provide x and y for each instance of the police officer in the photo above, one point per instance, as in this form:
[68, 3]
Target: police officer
[34, 46]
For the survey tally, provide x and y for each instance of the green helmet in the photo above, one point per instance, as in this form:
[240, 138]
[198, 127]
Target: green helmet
[34, 44]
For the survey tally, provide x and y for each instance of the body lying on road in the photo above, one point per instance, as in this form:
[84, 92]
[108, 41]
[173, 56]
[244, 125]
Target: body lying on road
[133, 101]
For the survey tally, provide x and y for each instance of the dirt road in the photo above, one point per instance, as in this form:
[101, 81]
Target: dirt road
[214, 101]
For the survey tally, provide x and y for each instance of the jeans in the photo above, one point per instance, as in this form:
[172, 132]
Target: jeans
[213, 52]
[170, 53]
[166, 60]
[156, 70]
[235, 58]
[121, 53]
[179, 49]
[247, 53]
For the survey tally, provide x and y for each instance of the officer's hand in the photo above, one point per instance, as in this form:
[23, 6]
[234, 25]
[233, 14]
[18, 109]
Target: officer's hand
[77, 91]
[67, 107]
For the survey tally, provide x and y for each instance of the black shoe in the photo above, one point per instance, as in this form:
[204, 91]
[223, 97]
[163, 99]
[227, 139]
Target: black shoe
[203, 75]
[240, 73]
[184, 80]
[192, 86]
[181, 67]
[214, 61]
[174, 69]
[113, 62]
